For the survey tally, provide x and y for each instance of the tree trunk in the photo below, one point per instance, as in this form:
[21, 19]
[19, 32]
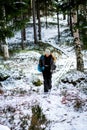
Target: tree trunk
[64, 16]
[58, 26]
[23, 38]
[5, 45]
[71, 28]
[5, 51]
[46, 14]
[23, 32]
[38, 17]
[68, 19]
[34, 21]
[79, 56]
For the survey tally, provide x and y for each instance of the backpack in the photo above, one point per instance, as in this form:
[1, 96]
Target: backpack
[40, 69]
[41, 64]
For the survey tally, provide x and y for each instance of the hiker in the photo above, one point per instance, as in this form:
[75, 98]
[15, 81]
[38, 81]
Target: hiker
[46, 66]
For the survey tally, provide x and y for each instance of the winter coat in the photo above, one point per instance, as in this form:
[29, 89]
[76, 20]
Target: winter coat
[46, 64]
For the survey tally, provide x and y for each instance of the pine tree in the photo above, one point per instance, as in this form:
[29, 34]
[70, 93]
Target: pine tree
[72, 7]
[10, 21]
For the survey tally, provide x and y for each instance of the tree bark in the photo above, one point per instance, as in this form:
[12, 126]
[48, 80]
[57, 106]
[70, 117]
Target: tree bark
[38, 17]
[23, 38]
[4, 42]
[71, 28]
[46, 12]
[34, 21]
[23, 32]
[58, 26]
[64, 16]
[6, 52]
[79, 56]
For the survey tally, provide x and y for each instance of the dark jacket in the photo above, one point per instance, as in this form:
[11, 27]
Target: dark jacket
[47, 63]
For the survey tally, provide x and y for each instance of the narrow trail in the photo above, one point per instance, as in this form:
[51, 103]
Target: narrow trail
[54, 110]
[63, 70]
[68, 62]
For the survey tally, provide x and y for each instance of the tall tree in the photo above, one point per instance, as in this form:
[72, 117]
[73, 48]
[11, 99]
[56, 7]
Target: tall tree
[10, 21]
[72, 6]
[58, 22]
[70, 18]
[23, 31]
[79, 56]
[38, 17]
[34, 21]
[77, 42]
[3, 32]
[22, 19]
[82, 23]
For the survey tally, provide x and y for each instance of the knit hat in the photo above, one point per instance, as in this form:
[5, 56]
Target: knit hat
[47, 51]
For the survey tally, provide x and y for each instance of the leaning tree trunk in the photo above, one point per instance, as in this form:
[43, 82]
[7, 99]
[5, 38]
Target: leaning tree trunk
[79, 56]
[34, 21]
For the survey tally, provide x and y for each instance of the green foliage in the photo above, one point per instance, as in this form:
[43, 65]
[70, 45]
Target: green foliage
[6, 32]
[37, 83]
[11, 17]
[38, 119]
[46, 6]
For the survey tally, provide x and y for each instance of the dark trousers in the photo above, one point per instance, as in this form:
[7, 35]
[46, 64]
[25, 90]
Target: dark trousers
[47, 76]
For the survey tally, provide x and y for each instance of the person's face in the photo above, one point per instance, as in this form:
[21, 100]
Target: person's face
[47, 54]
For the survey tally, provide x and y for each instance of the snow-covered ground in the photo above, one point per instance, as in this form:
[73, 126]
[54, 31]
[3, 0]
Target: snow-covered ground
[48, 34]
[58, 105]
[65, 107]
[4, 127]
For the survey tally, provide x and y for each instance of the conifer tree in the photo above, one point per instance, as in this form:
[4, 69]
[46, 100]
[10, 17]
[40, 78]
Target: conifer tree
[73, 6]
[10, 21]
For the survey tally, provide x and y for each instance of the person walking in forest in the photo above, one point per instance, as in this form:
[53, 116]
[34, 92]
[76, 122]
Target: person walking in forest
[46, 66]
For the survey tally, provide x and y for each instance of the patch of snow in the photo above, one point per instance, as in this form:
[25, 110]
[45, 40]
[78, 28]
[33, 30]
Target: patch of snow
[2, 127]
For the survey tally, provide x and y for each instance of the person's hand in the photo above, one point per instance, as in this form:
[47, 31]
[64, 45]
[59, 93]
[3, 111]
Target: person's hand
[52, 71]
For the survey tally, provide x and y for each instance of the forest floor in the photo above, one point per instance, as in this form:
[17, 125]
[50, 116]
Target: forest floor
[64, 107]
